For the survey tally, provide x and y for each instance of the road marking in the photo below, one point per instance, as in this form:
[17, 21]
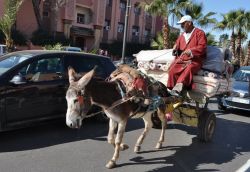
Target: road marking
[245, 167]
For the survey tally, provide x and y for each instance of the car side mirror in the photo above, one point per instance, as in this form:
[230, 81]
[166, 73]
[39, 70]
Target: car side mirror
[18, 79]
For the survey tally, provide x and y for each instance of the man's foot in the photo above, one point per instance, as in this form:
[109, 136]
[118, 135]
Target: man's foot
[178, 87]
[174, 93]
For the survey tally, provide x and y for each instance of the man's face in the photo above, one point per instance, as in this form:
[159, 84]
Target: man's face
[186, 26]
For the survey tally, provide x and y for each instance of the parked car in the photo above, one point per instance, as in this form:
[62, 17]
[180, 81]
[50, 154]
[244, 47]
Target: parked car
[239, 97]
[3, 49]
[33, 84]
[76, 49]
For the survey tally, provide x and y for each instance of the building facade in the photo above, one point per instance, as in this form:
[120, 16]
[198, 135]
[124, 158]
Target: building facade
[89, 22]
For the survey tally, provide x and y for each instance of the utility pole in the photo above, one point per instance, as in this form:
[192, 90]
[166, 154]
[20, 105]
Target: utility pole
[125, 31]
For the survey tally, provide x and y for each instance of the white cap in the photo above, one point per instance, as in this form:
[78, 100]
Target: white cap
[184, 19]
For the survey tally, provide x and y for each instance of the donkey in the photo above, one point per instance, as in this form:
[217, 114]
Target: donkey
[88, 90]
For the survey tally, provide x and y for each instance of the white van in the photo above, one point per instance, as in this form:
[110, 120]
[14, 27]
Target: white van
[3, 49]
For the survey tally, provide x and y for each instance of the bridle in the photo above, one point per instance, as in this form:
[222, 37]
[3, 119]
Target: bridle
[81, 97]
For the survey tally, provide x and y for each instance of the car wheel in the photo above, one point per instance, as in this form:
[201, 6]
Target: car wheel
[206, 125]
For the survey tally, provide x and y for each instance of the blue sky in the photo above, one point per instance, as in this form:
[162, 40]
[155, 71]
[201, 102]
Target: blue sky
[223, 6]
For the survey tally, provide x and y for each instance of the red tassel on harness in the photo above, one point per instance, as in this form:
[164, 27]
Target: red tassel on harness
[80, 100]
[140, 84]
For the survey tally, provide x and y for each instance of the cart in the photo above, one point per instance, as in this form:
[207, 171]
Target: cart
[191, 110]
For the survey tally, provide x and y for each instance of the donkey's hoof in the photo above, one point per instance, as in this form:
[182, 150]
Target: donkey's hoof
[158, 146]
[111, 164]
[123, 147]
[137, 149]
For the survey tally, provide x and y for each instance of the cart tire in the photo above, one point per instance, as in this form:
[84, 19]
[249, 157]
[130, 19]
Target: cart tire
[156, 121]
[206, 125]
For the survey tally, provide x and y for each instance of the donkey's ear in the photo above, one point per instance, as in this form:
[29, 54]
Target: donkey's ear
[71, 74]
[86, 78]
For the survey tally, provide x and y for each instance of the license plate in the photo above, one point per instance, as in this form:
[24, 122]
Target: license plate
[241, 100]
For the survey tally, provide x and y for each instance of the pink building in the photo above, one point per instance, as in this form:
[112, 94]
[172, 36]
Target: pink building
[89, 22]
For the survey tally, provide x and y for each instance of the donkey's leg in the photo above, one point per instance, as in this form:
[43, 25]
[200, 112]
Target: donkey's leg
[118, 141]
[111, 135]
[161, 116]
[148, 124]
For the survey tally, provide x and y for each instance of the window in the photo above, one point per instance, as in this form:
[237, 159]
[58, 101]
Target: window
[135, 31]
[123, 5]
[147, 15]
[109, 2]
[120, 27]
[43, 70]
[147, 32]
[137, 9]
[107, 25]
[80, 18]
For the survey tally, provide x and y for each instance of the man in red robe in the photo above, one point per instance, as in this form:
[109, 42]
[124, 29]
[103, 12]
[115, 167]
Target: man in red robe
[190, 51]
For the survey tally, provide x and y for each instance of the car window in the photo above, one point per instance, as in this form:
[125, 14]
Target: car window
[85, 63]
[242, 75]
[43, 70]
[11, 61]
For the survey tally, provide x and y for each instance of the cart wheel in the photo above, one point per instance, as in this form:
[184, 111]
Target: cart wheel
[156, 120]
[206, 125]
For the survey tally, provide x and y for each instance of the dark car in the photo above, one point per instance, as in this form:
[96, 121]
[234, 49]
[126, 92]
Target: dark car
[33, 84]
[239, 97]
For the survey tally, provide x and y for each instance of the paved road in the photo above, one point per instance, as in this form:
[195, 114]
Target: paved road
[56, 148]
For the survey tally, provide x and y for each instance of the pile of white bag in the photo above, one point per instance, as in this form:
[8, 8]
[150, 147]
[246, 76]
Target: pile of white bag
[210, 80]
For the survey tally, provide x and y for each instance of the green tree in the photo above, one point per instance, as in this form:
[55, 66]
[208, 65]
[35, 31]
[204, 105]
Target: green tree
[157, 43]
[36, 8]
[211, 39]
[247, 58]
[8, 19]
[229, 22]
[165, 8]
[196, 12]
[223, 41]
[243, 26]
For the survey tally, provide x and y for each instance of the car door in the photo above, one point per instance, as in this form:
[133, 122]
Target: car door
[41, 94]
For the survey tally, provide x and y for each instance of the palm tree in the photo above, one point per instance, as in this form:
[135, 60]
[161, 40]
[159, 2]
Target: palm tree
[157, 43]
[36, 8]
[211, 39]
[55, 7]
[247, 59]
[11, 8]
[165, 8]
[229, 22]
[223, 40]
[243, 25]
[196, 12]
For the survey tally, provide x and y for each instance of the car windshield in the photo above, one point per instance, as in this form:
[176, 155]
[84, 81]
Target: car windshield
[9, 61]
[242, 75]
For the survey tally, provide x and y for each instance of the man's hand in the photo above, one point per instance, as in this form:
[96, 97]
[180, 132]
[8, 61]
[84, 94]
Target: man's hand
[187, 52]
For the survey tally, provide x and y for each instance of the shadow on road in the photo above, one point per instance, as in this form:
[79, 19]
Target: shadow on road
[230, 140]
[53, 134]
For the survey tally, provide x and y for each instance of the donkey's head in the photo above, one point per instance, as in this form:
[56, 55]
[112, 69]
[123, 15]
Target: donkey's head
[78, 99]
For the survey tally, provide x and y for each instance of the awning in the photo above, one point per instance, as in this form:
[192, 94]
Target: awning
[81, 31]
